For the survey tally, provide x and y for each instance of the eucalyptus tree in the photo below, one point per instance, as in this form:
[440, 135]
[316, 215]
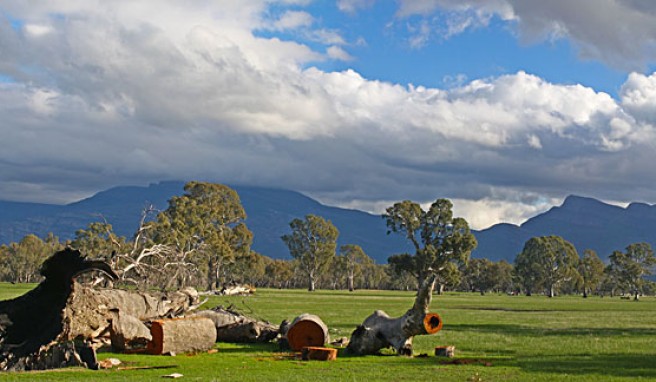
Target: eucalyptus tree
[437, 237]
[208, 223]
[546, 262]
[355, 259]
[312, 242]
[591, 269]
[632, 266]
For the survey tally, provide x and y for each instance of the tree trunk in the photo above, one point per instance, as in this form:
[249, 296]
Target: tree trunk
[379, 330]
[235, 327]
[310, 283]
[350, 282]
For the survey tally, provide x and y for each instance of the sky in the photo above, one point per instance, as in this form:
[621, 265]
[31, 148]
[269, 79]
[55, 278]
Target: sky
[503, 106]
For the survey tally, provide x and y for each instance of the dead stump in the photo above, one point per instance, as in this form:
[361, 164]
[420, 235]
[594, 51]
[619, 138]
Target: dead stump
[182, 335]
[307, 330]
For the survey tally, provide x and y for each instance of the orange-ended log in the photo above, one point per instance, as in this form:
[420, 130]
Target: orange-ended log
[318, 353]
[307, 330]
[432, 323]
[182, 335]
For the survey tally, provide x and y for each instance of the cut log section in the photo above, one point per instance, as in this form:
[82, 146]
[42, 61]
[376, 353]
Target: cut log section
[445, 351]
[182, 335]
[380, 331]
[307, 330]
[432, 323]
[316, 353]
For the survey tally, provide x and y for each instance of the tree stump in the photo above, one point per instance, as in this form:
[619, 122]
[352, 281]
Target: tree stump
[182, 335]
[317, 353]
[307, 330]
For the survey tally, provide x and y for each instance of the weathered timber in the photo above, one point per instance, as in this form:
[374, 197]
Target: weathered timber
[89, 311]
[128, 332]
[53, 324]
[182, 335]
[307, 330]
[33, 327]
[232, 326]
[380, 331]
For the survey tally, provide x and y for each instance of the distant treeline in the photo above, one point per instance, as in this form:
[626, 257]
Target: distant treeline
[202, 240]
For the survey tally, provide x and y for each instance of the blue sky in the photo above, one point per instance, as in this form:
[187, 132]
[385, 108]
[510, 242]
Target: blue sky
[504, 106]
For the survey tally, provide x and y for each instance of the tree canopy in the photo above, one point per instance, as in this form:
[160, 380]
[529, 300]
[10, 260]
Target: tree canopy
[437, 237]
[313, 242]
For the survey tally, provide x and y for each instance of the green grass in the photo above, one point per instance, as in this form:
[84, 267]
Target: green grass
[497, 338]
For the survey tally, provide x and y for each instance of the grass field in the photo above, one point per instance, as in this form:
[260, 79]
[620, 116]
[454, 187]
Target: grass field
[497, 338]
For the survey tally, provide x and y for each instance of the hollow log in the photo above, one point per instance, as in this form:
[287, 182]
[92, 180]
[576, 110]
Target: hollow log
[182, 335]
[307, 330]
[380, 331]
[232, 326]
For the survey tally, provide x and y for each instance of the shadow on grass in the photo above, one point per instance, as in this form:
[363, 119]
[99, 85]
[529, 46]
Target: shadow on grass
[624, 365]
[530, 331]
[248, 348]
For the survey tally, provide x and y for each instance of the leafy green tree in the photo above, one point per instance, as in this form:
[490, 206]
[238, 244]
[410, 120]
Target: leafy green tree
[279, 273]
[631, 267]
[502, 272]
[591, 269]
[480, 273]
[313, 243]
[355, 260]
[437, 237]
[20, 262]
[100, 241]
[206, 222]
[450, 277]
[546, 261]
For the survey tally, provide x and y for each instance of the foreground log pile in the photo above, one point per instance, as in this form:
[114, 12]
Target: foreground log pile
[61, 322]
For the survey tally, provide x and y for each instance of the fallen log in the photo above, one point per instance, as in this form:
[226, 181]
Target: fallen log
[182, 335]
[307, 330]
[89, 311]
[128, 332]
[232, 326]
[50, 325]
[33, 327]
[380, 331]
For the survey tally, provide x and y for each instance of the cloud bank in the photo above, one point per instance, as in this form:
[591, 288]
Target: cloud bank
[104, 93]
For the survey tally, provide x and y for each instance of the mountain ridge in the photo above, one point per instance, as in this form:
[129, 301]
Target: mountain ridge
[586, 222]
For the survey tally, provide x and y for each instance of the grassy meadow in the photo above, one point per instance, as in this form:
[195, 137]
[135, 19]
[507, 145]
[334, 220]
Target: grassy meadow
[497, 338]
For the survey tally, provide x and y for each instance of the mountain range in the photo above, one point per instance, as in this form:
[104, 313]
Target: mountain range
[586, 222]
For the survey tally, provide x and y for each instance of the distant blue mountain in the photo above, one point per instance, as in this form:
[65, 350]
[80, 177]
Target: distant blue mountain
[586, 222]
[269, 212]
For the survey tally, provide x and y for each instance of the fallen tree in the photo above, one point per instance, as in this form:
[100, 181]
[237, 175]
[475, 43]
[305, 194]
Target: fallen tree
[32, 325]
[380, 331]
[232, 326]
[53, 324]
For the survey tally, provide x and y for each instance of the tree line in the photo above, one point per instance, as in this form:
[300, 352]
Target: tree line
[202, 240]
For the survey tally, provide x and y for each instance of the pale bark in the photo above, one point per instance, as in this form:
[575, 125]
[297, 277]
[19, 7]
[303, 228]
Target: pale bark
[380, 331]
